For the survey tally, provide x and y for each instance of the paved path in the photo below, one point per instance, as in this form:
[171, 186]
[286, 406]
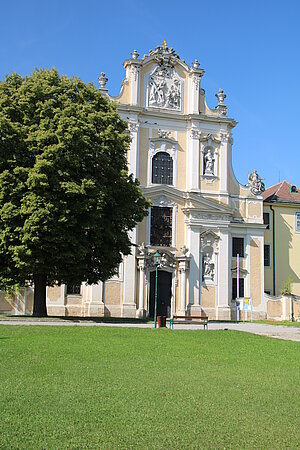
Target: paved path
[274, 331]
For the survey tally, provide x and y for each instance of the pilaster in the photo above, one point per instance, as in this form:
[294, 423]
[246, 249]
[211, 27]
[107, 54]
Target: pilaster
[141, 312]
[224, 274]
[128, 308]
[225, 142]
[183, 269]
[95, 306]
[194, 246]
[57, 307]
[133, 162]
[193, 160]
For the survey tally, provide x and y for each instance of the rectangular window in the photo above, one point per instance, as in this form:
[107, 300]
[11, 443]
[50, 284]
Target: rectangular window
[267, 255]
[73, 289]
[238, 247]
[161, 226]
[267, 220]
[297, 221]
[234, 288]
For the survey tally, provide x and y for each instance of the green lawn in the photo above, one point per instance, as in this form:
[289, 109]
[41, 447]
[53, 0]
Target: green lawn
[96, 387]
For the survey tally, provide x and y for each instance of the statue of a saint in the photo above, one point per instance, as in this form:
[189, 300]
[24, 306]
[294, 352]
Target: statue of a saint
[209, 163]
[255, 182]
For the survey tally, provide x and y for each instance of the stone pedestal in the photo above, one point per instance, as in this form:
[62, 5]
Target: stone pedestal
[96, 309]
[141, 314]
[196, 310]
[128, 310]
[224, 313]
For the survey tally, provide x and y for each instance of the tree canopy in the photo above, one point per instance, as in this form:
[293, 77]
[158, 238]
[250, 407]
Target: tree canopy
[66, 199]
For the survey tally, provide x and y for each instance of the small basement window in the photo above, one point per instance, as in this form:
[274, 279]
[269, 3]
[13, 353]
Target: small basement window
[73, 289]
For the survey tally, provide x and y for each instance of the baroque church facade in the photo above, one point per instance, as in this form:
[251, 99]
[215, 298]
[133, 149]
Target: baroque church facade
[205, 224]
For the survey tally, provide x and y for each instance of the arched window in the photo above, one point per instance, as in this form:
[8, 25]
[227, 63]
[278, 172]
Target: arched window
[162, 168]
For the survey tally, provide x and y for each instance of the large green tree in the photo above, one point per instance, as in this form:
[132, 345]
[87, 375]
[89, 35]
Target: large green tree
[66, 199]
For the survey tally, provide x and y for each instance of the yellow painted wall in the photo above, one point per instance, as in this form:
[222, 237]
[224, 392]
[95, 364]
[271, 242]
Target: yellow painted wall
[208, 296]
[112, 293]
[180, 228]
[287, 247]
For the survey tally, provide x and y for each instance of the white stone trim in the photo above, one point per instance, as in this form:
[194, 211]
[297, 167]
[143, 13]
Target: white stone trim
[193, 163]
[195, 270]
[224, 278]
[163, 201]
[157, 146]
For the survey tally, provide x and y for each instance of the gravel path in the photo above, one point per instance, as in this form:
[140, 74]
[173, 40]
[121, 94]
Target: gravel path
[274, 331]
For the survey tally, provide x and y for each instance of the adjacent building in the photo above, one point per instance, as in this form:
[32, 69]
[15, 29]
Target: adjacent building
[282, 238]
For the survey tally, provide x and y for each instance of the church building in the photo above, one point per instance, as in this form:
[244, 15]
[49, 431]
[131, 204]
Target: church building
[207, 227]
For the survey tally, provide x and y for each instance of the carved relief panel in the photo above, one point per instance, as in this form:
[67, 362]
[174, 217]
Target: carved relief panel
[164, 89]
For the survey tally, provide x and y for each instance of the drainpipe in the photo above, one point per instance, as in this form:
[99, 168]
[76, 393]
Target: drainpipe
[273, 231]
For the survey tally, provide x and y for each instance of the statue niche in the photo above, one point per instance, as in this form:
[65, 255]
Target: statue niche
[208, 267]
[165, 89]
[209, 162]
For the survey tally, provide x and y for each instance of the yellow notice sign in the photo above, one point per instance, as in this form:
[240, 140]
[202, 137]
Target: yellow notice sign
[247, 301]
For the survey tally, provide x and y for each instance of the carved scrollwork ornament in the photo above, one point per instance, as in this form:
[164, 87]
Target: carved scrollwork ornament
[133, 126]
[163, 134]
[195, 133]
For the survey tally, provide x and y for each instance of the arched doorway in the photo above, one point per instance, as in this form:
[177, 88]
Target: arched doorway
[164, 293]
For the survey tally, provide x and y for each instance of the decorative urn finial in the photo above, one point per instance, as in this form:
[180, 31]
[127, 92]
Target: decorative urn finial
[134, 54]
[195, 64]
[221, 96]
[102, 81]
[221, 108]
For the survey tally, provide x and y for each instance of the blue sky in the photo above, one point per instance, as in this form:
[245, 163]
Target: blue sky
[248, 48]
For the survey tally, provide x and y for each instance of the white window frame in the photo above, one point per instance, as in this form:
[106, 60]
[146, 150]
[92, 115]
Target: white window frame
[270, 265]
[297, 221]
[162, 201]
[160, 146]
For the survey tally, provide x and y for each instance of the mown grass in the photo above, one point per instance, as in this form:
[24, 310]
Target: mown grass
[95, 387]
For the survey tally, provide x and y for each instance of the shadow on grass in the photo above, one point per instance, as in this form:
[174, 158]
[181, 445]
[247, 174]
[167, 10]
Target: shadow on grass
[75, 319]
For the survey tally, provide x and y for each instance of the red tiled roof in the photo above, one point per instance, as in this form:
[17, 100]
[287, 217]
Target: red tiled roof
[281, 192]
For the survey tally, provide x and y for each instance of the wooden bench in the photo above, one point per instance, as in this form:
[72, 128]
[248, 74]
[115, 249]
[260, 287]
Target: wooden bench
[189, 320]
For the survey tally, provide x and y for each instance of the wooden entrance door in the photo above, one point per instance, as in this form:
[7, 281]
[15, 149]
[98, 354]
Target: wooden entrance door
[164, 293]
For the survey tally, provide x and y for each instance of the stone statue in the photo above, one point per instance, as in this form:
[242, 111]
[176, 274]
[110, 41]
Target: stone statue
[255, 182]
[209, 163]
[208, 267]
[144, 251]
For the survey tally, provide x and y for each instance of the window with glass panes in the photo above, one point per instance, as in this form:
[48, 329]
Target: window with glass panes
[267, 220]
[297, 221]
[267, 255]
[161, 226]
[238, 247]
[234, 288]
[162, 168]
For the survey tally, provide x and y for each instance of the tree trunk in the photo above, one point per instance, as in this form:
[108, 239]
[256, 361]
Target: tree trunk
[39, 302]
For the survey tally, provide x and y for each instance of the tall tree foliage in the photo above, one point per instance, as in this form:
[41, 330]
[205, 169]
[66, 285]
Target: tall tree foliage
[66, 199]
